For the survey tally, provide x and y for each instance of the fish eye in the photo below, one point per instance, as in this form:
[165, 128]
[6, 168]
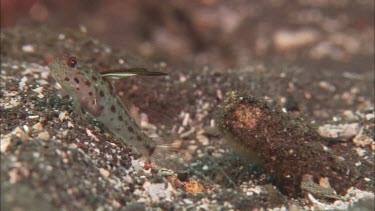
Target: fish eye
[72, 61]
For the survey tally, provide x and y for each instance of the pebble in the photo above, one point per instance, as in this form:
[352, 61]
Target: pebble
[70, 125]
[182, 78]
[337, 205]
[183, 176]
[287, 39]
[64, 133]
[22, 83]
[187, 201]
[14, 176]
[33, 117]
[192, 148]
[203, 207]
[350, 115]
[121, 61]
[165, 172]
[90, 134]
[38, 90]
[370, 116]
[186, 119]
[20, 133]
[12, 103]
[104, 172]
[346, 42]
[38, 126]
[158, 190]
[26, 128]
[363, 140]
[353, 196]
[203, 140]
[4, 143]
[294, 207]
[360, 152]
[367, 179]
[321, 190]
[44, 135]
[327, 86]
[61, 36]
[344, 132]
[137, 166]
[324, 182]
[28, 48]
[62, 116]
[44, 75]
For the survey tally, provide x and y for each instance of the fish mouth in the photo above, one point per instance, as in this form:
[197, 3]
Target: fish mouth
[58, 69]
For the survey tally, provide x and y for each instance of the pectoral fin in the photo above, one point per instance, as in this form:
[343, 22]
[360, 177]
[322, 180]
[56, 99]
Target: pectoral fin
[124, 73]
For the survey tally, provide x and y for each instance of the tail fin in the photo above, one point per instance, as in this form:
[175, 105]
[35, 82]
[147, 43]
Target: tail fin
[168, 153]
[169, 150]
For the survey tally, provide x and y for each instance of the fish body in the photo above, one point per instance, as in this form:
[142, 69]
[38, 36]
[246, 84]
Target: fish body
[94, 95]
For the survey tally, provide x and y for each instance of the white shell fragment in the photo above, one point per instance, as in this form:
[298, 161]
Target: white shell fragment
[158, 191]
[38, 127]
[344, 132]
[104, 172]
[28, 48]
[363, 140]
[90, 134]
[62, 116]
[38, 90]
[44, 135]
[353, 196]
[286, 39]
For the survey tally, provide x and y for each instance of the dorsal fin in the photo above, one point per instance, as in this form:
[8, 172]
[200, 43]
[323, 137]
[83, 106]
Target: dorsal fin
[111, 85]
[111, 76]
[124, 73]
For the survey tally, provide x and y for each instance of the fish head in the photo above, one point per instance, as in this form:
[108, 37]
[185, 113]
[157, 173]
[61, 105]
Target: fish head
[65, 70]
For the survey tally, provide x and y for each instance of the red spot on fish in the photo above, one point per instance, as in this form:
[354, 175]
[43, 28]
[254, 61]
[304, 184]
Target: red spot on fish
[113, 109]
[90, 93]
[120, 118]
[76, 80]
[101, 93]
[130, 129]
[48, 59]
[87, 83]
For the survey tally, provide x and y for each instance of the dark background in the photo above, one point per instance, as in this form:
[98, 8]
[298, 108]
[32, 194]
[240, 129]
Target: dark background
[337, 35]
